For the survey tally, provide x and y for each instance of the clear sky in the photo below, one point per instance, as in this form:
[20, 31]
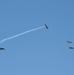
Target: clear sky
[42, 52]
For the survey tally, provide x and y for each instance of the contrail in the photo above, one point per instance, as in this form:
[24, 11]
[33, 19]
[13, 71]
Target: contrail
[20, 34]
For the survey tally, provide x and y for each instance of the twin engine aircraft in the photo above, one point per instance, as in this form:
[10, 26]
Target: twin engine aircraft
[45, 26]
[2, 49]
[71, 47]
[69, 42]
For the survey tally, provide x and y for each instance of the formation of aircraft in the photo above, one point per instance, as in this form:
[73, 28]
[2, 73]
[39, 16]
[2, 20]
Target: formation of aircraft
[2, 48]
[69, 42]
[46, 26]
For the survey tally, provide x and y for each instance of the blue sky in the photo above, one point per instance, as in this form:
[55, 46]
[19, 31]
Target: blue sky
[42, 52]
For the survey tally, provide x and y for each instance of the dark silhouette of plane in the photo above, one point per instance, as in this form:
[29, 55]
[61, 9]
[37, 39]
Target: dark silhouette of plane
[46, 26]
[69, 42]
[2, 48]
[71, 47]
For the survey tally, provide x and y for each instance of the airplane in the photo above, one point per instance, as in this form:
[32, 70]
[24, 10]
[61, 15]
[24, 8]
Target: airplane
[71, 47]
[46, 26]
[69, 42]
[2, 48]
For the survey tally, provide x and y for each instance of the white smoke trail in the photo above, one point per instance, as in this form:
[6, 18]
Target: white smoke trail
[19, 34]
